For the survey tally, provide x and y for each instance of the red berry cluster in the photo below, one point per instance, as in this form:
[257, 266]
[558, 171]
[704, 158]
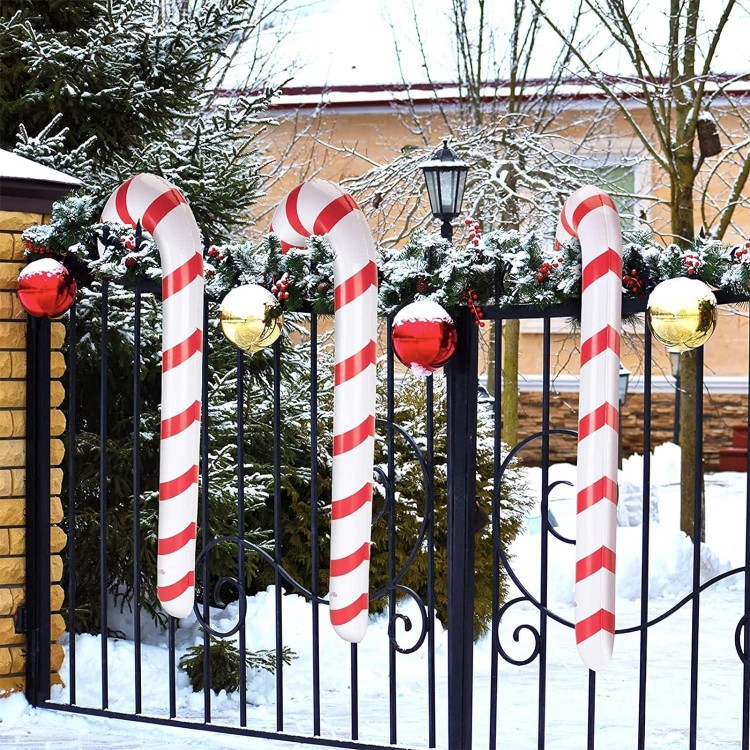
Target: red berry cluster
[129, 243]
[475, 231]
[546, 268]
[692, 261]
[32, 247]
[472, 299]
[215, 253]
[279, 288]
[632, 281]
[741, 253]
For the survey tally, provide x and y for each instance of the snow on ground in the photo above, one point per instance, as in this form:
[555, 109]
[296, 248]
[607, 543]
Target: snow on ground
[670, 576]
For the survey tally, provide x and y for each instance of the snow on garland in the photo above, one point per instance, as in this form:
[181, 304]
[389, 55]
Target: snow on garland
[498, 267]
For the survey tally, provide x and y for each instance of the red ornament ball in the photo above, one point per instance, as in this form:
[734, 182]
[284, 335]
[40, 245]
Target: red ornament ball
[424, 337]
[46, 288]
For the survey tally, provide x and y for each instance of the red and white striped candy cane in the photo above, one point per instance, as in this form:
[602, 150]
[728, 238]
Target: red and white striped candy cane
[591, 215]
[163, 212]
[318, 207]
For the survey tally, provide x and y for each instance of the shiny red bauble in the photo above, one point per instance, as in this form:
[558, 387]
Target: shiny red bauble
[424, 337]
[46, 288]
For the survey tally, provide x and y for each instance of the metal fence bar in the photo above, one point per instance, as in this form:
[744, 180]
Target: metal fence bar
[430, 489]
[496, 524]
[137, 501]
[103, 432]
[591, 719]
[697, 534]
[172, 669]
[71, 514]
[277, 532]
[391, 501]
[206, 604]
[646, 534]
[314, 540]
[461, 443]
[242, 633]
[38, 510]
[354, 688]
[544, 542]
[746, 614]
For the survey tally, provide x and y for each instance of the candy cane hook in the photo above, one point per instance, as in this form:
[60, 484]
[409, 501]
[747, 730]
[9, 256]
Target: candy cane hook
[318, 207]
[163, 212]
[591, 215]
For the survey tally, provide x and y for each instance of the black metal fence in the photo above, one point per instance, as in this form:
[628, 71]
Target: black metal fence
[459, 709]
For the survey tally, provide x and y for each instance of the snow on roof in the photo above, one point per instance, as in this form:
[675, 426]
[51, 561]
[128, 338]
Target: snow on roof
[17, 167]
[343, 45]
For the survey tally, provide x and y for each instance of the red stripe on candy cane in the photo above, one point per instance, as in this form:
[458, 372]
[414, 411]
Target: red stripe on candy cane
[586, 206]
[601, 620]
[607, 262]
[121, 203]
[333, 213]
[182, 276]
[175, 425]
[606, 414]
[173, 590]
[178, 541]
[344, 565]
[160, 208]
[346, 614]
[291, 212]
[181, 352]
[602, 558]
[348, 505]
[602, 489]
[352, 366]
[605, 339]
[356, 285]
[350, 439]
[175, 487]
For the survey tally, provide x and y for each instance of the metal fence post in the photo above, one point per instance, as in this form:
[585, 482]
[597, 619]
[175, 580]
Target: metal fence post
[462, 437]
[38, 510]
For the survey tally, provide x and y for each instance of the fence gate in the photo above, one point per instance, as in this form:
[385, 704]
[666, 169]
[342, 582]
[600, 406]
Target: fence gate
[263, 529]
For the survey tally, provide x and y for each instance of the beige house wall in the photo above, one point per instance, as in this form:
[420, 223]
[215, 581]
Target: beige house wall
[337, 145]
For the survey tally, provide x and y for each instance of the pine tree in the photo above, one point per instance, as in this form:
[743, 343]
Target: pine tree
[103, 90]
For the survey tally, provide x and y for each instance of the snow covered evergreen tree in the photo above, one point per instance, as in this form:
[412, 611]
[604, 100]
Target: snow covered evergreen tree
[103, 90]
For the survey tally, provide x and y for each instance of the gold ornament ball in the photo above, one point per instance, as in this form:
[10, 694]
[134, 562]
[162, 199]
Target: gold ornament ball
[681, 313]
[251, 317]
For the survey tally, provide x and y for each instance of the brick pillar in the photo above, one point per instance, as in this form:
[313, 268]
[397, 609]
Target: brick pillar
[13, 457]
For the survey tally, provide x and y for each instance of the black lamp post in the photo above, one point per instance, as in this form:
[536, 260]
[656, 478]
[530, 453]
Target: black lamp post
[445, 175]
[674, 361]
[624, 383]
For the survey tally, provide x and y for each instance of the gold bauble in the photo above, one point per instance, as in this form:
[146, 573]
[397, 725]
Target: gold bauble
[251, 317]
[681, 313]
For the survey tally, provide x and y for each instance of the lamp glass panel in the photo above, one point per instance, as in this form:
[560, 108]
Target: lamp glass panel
[448, 186]
[459, 198]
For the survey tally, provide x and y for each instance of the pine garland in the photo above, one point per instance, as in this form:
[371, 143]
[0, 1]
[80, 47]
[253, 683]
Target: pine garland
[500, 267]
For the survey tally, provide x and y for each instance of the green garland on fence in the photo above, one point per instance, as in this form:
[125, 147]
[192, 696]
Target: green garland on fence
[500, 267]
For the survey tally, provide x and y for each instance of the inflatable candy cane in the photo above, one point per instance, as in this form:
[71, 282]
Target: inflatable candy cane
[163, 213]
[319, 207]
[590, 215]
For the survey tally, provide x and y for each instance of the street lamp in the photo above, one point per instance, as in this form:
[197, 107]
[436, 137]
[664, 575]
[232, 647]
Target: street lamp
[623, 384]
[445, 175]
[674, 362]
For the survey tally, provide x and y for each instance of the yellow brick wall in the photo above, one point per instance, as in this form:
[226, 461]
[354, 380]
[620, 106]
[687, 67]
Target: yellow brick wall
[12, 462]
